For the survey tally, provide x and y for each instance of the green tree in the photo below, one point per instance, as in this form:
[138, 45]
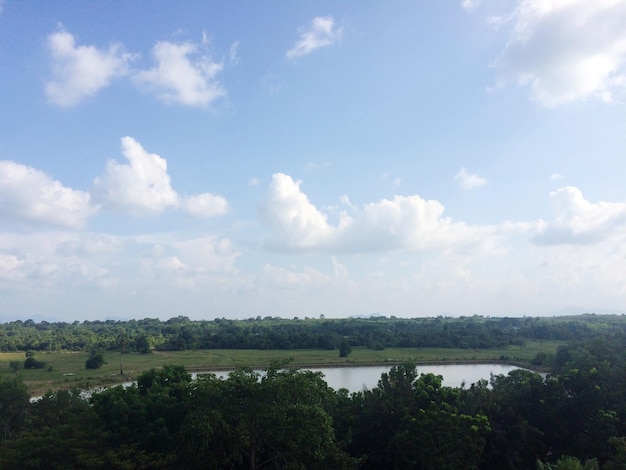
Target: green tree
[279, 420]
[344, 348]
[14, 402]
[122, 342]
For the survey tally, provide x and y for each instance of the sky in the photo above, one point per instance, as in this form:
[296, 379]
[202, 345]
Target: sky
[295, 159]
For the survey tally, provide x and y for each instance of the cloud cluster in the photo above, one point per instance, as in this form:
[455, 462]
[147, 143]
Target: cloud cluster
[141, 186]
[182, 75]
[580, 222]
[402, 223]
[564, 51]
[60, 259]
[322, 32]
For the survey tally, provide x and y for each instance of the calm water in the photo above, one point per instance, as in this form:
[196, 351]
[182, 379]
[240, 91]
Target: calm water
[356, 378]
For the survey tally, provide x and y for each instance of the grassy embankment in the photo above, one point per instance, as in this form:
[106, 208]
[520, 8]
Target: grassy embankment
[67, 369]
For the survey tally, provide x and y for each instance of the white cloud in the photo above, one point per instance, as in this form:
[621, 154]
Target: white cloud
[52, 260]
[289, 211]
[29, 195]
[191, 263]
[81, 71]
[141, 186]
[566, 50]
[321, 33]
[470, 5]
[402, 223]
[178, 78]
[469, 181]
[578, 221]
[205, 205]
[556, 176]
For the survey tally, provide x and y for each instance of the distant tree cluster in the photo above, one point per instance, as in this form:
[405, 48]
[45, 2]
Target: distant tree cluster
[181, 333]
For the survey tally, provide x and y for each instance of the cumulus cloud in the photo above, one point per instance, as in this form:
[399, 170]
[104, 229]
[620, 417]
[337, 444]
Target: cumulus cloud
[321, 33]
[404, 222]
[29, 195]
[81, 71]
[182, 76]
[578, 221]
[143, 186]
[469, 181]
[289, 210]
[566, 50]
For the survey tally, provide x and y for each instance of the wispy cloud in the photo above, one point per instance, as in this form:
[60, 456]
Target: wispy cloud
[321, 33]
[469, 181]
[470, 5]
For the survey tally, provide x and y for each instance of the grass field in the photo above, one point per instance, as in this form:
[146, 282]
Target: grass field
[67, 369]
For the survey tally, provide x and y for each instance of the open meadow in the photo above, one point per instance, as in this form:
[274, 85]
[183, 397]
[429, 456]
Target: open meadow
[67, 369]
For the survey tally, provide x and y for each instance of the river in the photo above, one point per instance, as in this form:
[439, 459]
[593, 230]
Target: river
[356, 378]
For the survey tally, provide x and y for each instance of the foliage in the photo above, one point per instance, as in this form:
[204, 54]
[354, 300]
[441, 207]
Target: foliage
[377, 333]
[288, 418]
[344, 348]
[32, 363]
[95, 360]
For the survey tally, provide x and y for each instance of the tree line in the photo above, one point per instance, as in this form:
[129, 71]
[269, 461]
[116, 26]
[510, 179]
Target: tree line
[181, 333]
[574, 418]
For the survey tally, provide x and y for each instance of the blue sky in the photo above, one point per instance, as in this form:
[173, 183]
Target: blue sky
[235, 159]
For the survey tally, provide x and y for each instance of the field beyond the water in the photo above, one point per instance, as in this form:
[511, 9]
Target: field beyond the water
[66, 370]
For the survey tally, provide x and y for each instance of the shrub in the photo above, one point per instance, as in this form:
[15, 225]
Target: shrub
[32, 363]
[95, 360]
